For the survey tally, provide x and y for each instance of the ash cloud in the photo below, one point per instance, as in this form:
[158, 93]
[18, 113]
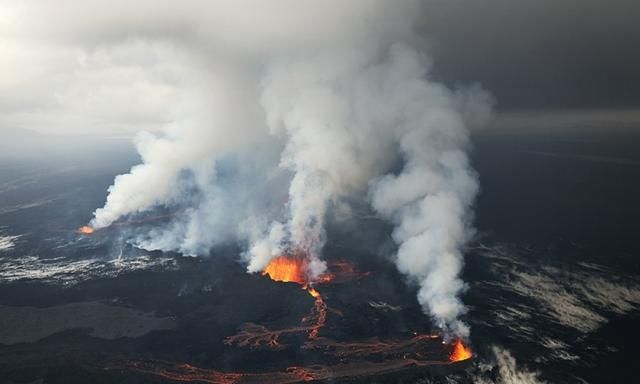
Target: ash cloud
[279, 112]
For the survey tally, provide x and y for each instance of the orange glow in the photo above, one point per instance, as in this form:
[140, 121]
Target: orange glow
[318, 314]
[460, 352]
[287, 269]
[86, 230]
[294, 269]
[313, 292]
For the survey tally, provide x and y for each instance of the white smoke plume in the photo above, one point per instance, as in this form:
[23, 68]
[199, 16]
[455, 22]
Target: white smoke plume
[289, 107]
[507, 370]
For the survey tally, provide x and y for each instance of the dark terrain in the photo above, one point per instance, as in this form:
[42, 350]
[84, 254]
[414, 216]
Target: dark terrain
[552, 274]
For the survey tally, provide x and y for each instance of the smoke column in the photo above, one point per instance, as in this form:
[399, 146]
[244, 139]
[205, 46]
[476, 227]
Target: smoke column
[313, 104]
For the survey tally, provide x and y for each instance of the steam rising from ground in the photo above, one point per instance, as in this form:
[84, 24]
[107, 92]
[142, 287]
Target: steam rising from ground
[282, 111]
[508, 371]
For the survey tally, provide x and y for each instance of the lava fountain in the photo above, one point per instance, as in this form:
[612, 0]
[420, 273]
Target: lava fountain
[460, 352]
[287, 269]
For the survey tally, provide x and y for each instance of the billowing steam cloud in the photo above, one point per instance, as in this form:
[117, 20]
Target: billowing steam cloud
[302, 108]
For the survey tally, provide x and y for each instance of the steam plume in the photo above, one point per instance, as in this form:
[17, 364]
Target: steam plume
[297, 116]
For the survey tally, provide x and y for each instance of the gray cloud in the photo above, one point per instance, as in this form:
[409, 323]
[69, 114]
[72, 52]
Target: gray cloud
[540, 53]
[119, 67]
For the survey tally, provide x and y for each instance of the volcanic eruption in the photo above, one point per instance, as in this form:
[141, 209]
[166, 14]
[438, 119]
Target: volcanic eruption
[287, 123]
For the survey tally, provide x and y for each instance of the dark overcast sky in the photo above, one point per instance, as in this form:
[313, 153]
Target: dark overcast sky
[540, 53]
[117, 67]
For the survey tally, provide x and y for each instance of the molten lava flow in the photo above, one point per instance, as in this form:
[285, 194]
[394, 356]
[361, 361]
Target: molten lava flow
[86, 230]
[294, 269]
[314, 293]
[186, 373]
[258, 336]
[319, 313]
[340, 271]
[345, 358]
[460, 352]
[287, 269]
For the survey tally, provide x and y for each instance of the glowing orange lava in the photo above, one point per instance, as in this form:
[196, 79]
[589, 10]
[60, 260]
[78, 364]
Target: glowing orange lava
[318, 315]
[313, 292]
[86, 230]
[294, 269]
[287, 269]
[460, 352]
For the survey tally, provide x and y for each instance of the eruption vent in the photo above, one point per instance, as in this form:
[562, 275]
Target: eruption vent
[86, 230]
[287, 269]
[460, 352]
